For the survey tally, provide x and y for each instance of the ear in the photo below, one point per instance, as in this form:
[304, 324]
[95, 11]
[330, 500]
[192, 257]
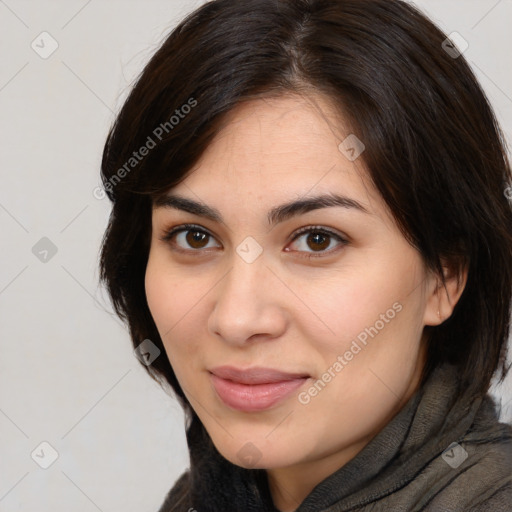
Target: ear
[441, 298]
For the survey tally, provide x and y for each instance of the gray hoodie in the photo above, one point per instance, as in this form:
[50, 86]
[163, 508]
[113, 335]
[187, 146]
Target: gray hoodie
[434, 455]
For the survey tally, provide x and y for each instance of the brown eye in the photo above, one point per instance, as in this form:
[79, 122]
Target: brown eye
[309, 241]
[196, 239]
[318, 241]
[188, 238]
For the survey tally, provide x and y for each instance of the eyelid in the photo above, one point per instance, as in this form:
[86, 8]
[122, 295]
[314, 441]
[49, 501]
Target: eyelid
[343, 240]
[320, 229]
[170, 232]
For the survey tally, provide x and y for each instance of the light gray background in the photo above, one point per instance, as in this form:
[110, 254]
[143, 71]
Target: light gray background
[67, 372]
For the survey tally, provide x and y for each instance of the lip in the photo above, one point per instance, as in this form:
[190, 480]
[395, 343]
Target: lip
[254, 389]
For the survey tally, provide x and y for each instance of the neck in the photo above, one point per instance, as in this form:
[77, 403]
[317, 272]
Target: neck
[290, 486]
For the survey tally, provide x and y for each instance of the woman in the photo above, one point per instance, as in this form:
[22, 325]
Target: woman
[310, 242]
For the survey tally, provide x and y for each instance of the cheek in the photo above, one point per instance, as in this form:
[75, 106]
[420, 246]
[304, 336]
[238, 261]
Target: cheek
[166, 299]
[378, 308]
[177, 303]
[159, 294]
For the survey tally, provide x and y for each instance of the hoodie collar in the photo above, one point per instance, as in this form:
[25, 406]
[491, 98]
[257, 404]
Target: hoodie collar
[425, 426]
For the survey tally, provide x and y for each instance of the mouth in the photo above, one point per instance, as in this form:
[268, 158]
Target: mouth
[254, 389]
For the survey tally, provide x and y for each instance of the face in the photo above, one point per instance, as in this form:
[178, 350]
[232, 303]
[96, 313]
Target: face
[329, 293]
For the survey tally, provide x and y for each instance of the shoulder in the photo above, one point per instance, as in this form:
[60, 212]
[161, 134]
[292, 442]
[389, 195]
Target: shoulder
[177, 499]
[475, 471]
[497, 500]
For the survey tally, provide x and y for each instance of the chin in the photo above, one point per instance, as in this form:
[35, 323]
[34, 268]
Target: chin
[255, 452]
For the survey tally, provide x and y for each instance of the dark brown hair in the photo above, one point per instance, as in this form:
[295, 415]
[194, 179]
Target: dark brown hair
[433, 148]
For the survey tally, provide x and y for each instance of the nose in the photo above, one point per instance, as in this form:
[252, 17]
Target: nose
[248, 305]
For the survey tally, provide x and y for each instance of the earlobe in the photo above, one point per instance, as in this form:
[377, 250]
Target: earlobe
[444, 297]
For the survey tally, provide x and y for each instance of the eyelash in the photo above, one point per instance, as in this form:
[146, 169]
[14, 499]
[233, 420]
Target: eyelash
[169, 233]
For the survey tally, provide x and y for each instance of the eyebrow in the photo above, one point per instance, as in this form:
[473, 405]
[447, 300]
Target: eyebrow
[276, 215]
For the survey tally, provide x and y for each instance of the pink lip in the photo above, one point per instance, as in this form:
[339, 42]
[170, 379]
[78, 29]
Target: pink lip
[254, 389]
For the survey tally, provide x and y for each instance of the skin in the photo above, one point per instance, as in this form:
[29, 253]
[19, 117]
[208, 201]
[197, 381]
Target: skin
[286, 311]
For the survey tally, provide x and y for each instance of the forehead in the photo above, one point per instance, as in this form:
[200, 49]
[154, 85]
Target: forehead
[289, 128]
[288, 139]
[272, 151]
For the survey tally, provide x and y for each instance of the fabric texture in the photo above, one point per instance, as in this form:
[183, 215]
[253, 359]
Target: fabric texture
[435, 455]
